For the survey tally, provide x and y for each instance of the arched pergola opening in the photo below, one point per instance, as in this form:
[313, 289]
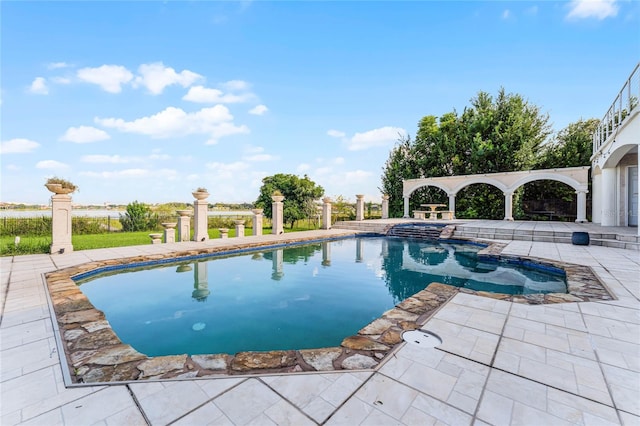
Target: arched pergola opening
[427, 194]
[480, 200]
[548, 199]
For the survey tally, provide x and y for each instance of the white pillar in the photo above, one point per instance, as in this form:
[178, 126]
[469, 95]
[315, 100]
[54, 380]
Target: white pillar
[326, 213]
[452, 204]
[596, 199]
[277, 227]
[61, 224]
[359, 207]
[169, 232]
[257, 221]
[608, 198]
[201, 218]
[581, 214]
[184, 225]
[385, 206]
[406, 206]
[224, 232]
[508, 205]
[239, 228]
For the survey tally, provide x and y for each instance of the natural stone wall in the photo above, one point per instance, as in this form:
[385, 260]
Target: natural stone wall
[95, 354]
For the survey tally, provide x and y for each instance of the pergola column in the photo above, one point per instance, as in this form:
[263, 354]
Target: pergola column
[452, 204]
[405, 198]
[508, 205]
[581, 214]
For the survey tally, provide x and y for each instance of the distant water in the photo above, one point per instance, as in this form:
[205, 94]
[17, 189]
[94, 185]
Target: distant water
[105, 213]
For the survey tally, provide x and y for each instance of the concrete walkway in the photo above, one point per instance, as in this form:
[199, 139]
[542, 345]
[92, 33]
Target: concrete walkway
[500, 362]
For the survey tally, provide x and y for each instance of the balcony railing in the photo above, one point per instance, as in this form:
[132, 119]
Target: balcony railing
[623, 105]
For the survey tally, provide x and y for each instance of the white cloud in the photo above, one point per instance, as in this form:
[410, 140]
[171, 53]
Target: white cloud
[157, 156]
[61, 80]
[39, 86]
[373, 138]
[506, 14]
[303, 167]
[533, 10]
[18, 146]
[336, 133]
[251, 149]
[216, 122]
[109, 159]
[227, 171]
[109, 77]
[84, 134]
[51, 164]
[201, 94]
[258, 110]
[358, 176]
[261, 157]
[139, 173]
[338, 160]
[57, 65]
[13, 167]
[155, 77]
[236, 85]
[599, 9]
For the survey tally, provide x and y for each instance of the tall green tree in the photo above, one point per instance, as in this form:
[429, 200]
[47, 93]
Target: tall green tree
[570, 147]
[299, 196]
[491, 135]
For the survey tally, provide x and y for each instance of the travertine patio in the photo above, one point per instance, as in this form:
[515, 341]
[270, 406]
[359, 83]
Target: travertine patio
[500, 362]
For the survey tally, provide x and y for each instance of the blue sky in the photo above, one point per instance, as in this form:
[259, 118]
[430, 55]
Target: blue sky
[149, 100]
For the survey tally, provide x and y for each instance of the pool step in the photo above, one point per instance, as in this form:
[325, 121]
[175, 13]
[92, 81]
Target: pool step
[378, 228]
[630, 242]
[424, 232]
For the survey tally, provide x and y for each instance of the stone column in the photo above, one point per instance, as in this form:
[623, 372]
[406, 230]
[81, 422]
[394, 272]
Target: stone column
[385, 206]
[201, 218]
[326, 213]
[277, 227]
[257, 221]
[608, 197]
[239, 228]
[359, 207]
[169, 232]
[581, 214]
[508, 206]
[156, 238]
[224, 232]
[61, 224]
[184, 224]
[359, 257]
[452, 204]
[405, 199]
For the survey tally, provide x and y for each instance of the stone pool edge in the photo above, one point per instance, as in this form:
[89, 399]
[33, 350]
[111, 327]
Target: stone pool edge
[94, 354]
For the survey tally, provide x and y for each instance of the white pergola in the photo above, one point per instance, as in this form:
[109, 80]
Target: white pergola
[508, 182]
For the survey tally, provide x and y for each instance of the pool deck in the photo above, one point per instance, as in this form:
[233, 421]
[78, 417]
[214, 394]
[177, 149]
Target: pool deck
[499, 363]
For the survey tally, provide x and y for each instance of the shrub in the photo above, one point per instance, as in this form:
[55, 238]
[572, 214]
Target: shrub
[138, 217]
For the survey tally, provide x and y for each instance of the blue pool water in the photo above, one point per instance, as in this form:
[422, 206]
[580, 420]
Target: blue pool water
[300, 297]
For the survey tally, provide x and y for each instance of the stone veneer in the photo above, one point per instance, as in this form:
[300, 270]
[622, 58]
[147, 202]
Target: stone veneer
[95, 354]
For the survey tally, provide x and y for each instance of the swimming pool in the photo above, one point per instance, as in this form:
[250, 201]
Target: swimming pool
[305, 296]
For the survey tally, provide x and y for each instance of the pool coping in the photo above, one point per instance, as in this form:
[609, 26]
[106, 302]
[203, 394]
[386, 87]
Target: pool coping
[93, 354]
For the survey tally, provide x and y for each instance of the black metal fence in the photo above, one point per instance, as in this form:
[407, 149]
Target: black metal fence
[83, 225]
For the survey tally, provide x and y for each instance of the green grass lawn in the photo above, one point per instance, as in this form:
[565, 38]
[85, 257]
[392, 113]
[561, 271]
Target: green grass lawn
[36, 245]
